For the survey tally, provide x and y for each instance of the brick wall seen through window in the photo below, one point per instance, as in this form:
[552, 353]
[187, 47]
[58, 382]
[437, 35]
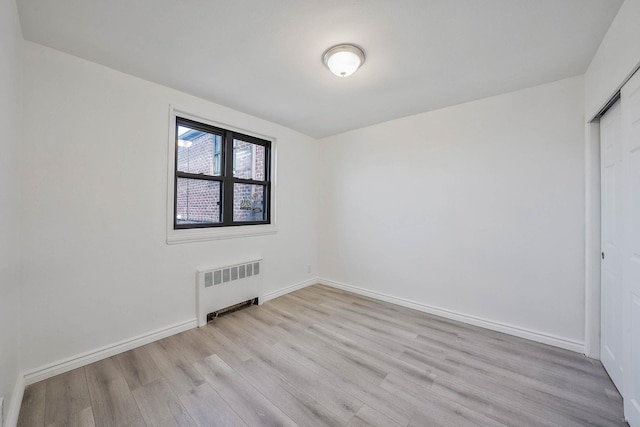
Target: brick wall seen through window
[222, 177]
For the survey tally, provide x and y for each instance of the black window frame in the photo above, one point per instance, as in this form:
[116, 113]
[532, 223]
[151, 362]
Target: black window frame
[226, 177]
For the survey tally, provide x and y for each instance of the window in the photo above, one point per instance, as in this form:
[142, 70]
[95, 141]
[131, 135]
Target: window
[222, 177]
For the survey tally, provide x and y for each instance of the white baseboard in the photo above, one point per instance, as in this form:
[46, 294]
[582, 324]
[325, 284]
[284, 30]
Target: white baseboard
[275, 294]
[65, 365]
[11, 419]
[465, 318]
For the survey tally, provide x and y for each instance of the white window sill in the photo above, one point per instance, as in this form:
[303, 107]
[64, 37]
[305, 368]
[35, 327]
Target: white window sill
[205, 234]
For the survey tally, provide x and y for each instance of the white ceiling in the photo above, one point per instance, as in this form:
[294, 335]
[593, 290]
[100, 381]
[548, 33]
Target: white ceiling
[263, 57]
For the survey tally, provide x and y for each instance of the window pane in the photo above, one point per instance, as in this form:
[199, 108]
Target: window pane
[248, 160]
[198, 201]
[248, 202]
[198, 152]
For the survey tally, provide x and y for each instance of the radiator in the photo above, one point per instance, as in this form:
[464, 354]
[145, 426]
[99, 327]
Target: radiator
[221, 287]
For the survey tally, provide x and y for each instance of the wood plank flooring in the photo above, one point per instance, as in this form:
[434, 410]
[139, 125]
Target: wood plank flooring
[325, 357]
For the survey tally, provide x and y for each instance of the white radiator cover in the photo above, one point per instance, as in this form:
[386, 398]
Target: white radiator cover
[221, 287]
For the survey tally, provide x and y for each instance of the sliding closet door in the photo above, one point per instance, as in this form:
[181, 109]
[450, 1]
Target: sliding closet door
[611, 340]
[630, 100]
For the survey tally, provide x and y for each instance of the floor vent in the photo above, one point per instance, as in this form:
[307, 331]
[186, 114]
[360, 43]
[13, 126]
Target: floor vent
[220, 288]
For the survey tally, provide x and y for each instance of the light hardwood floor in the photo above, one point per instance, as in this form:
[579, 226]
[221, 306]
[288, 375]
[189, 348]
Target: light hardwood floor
[321, 356]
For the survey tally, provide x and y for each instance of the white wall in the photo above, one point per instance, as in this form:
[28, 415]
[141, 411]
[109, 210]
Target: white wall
[617, 57]
[477, 209]
[97, 268]
[10, 139]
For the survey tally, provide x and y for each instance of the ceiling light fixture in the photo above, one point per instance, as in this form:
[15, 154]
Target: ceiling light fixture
[184, 143]
[343, 59]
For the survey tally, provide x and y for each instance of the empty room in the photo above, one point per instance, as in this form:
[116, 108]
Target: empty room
[319, 213]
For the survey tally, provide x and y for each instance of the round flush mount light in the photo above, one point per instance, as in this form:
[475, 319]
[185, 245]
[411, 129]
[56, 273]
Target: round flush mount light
[184, 143]
[343, 59]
